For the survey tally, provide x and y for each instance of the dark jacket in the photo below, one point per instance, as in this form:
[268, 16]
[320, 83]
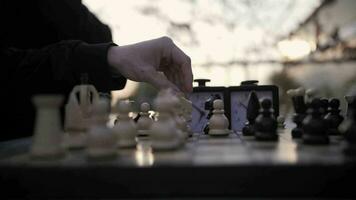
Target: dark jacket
[46, 45]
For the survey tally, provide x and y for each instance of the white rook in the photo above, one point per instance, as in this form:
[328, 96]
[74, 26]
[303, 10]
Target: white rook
[47, 139]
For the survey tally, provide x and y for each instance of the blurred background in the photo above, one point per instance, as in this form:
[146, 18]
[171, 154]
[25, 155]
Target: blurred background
[288, 43]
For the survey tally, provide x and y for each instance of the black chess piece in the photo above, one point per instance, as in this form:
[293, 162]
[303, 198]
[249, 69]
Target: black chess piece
[266, 124]
[252, 112]
[324, 107]
[348, 129]
[314, 126]
[300, 108]
[209, 106]
[137, 117]
[333, 119]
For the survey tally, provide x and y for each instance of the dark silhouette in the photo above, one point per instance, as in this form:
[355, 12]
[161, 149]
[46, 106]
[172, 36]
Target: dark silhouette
[45, 47]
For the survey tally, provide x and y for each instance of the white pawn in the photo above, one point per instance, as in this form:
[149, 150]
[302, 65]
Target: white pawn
[47, 140]
[218, 123]
[101, 141]
[125, 128]
[164, 132]
[186, 108]
[280, 122]
[176, 109]
[181, 122]
[292, 92]
[78, 114]
[144, 122]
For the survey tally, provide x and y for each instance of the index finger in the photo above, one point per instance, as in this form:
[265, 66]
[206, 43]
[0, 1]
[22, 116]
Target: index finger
[184, 61]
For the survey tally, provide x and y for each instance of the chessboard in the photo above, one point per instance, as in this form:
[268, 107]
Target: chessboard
[231, 166]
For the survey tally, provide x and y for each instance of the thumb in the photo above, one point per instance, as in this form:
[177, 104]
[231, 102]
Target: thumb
[160, 81]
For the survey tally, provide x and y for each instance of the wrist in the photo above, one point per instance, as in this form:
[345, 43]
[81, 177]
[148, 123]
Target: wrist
[113, 58]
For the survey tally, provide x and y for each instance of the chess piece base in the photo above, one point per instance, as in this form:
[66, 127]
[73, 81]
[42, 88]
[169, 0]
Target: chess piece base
[350, 149]
[248, 131]
[218, 132]
[75, 140]
[297, 132]
[47, 154]
[101, 154]
[332, 132]
[260, 136]
[143, 133]
[129, 143]
[166, 145]
[315, 139]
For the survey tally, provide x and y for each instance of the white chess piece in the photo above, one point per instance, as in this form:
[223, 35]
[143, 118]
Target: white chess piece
[144, 122]
[125, 128]
[101, 142]
[176, 111]
[291, 92]
[280, 122]
[186, 106]
[164, 132]
[78, 114]
[186, 109]
[218, 123]
[48, 135]
[310, 94]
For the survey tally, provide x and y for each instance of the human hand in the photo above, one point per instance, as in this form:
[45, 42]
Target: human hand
[158, 62]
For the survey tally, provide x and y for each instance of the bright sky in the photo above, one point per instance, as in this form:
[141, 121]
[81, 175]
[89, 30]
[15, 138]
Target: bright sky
[209, 31]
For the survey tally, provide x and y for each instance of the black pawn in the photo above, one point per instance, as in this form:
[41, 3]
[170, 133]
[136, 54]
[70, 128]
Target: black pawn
[314, 126]
[137, 117]
[266, 124]
[333, 119]
[324, 107]
[252, 112]
[300, 108]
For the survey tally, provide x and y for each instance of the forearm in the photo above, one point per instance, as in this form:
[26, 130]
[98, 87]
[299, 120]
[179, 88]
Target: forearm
[59, 66]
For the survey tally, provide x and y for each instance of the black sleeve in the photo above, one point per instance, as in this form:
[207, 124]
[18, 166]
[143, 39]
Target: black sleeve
[73, 20]
[58, 67]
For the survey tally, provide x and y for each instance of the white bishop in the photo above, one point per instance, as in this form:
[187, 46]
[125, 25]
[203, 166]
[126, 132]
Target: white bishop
[78, 114]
